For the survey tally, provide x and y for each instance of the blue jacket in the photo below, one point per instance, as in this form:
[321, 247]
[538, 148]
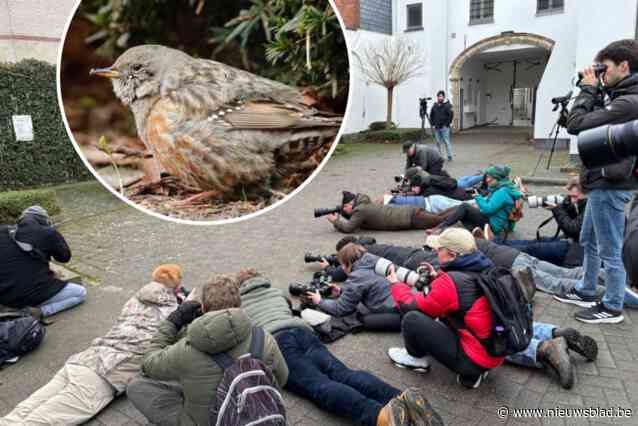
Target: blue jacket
[498, 205]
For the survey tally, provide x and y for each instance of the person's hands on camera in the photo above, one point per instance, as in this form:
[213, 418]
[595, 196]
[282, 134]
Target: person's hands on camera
[185, 314]
[589, 77]
[392, 275]
[335, 290]
[314, 297]
[323, 263]
[550, 206]
[332, 217]
[432, 272]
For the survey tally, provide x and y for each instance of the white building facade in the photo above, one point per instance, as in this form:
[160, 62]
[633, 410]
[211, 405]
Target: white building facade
[499, 61]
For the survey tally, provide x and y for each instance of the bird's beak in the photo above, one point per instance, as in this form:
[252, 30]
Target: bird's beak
[109, 72]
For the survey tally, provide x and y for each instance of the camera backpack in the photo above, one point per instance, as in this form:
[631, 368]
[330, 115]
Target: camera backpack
[20, 333]
[512, 321]
[247, 393]
[517, 212]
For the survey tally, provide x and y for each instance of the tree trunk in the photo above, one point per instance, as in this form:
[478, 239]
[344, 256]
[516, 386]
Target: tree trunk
[388, 118]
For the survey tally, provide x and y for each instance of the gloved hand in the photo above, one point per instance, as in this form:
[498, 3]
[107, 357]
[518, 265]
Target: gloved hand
[185, 314]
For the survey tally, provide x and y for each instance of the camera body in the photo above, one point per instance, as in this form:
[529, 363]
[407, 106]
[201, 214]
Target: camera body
[598, 70]
[420, 279]
[535, 202]
[331, 259]
[319, 282]
[323, 212]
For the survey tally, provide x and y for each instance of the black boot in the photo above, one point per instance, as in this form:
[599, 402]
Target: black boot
[553, 354]
[585, 346]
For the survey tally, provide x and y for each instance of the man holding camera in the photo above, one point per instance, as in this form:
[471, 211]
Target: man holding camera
[609, 187]
[441, 116]
[422, 158]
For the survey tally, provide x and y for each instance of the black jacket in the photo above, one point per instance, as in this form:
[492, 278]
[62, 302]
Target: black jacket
[630, 246]
[427, 158]
[25, 280]
[500, 255]
[584, 115]
[441, 114]
[570, 218]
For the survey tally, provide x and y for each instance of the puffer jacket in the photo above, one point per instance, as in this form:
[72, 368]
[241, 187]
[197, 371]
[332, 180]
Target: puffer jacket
[441, 114]
[189, 360]
[427, 158]
[362, 286]
[267, 307]
[117, 357]
[584, 115]
[497, 206]
[367, 215]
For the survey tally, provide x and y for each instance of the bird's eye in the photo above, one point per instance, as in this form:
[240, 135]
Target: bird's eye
[136, 67]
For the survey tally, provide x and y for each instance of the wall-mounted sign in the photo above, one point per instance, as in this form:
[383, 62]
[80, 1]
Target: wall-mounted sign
[23, 127]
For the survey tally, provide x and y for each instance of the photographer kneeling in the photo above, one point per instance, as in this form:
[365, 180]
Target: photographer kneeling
[422, 158]
[362, 286]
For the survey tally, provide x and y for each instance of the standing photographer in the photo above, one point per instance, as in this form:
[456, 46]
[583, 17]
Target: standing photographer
[441, 116]
[609, 187]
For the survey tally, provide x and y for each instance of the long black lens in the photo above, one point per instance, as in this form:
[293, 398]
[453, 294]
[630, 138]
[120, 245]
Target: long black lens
[323, 212]
[608, 144]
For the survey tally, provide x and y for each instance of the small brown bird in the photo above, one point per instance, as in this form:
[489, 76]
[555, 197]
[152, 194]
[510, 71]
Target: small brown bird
[215, 127]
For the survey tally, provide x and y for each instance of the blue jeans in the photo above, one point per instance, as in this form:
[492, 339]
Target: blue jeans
[550, 250]
[70, 295]
[443, 135]
[527, 357]
[316, 374]
[602, 237]
[433, 204]
[469, 181]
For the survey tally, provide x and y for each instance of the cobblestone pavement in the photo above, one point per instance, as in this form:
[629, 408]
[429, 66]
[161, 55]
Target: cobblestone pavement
[119, 246]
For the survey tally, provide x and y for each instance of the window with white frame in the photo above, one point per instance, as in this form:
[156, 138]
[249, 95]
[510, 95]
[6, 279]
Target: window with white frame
[481, 11]
[549, 6]
[414, 13]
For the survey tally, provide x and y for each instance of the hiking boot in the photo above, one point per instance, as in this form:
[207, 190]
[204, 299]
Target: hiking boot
[394, 413]
[478, 233]
[419, 409]
[553, 353]
[599, 313]
[585, 346]
[525, 280]
[575, 298]
[402, 359]
[471, 383]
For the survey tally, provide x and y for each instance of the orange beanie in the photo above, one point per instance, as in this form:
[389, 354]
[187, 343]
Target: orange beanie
[169, 274]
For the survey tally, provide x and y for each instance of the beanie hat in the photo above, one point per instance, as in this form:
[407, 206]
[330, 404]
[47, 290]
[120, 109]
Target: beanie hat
[37, 212]
[498, 172]
[440, 93]
[347, 197]
[168, 274]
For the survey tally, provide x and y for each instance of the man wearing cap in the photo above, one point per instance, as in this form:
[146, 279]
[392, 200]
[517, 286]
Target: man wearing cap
[422, 158]
[359, 212]
[25, 277]
[454, 298]
[441, 116]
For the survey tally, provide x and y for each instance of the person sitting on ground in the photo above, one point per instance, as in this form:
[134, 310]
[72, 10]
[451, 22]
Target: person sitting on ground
[448, 321]
[91, 379]
[493, 210]
[317, 375]
[569, 216]
[25, 277]
[362, 286]
[362, 213]
[422, 158]
[217, 325]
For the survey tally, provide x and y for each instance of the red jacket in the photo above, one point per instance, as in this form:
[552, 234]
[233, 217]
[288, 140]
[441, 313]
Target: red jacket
[448, 296]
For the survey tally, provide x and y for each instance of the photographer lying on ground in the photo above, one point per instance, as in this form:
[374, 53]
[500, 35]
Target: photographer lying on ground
[316, 374]
[359, 212]
[461, 336]
[569, 219]
[609, 187]
[493, 212]
[216, 328]
[25, 277]
[91, 379]
[422, 158]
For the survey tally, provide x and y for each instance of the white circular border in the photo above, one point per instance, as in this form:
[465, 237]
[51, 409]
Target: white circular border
[195, 222]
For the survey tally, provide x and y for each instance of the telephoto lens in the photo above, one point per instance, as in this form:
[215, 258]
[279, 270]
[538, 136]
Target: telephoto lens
[608, 144]
[534, 201]
[324, 212]
[382, 267]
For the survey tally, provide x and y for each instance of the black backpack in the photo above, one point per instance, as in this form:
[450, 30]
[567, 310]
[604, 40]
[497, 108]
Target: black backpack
[20, 332]
[512, 323]
[247, 393]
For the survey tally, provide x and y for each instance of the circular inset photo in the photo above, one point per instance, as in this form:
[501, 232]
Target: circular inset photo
[204, 110]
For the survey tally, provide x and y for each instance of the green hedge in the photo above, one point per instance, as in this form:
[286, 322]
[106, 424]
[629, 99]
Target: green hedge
[384, 136]
[29, 88]
[14, 202]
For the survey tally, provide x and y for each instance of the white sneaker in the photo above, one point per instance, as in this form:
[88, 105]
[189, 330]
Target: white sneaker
[12, 360]
[403, 359]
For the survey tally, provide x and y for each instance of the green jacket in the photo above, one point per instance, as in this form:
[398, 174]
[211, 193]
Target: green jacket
[267, 307]
[189, 360]
[497, 207]
[367, 215]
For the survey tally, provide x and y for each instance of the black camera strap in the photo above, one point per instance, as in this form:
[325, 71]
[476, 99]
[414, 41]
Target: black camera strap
[545, 222]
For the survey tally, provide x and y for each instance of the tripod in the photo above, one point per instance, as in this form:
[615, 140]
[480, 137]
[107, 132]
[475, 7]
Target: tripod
[423, 113]
[560, 122]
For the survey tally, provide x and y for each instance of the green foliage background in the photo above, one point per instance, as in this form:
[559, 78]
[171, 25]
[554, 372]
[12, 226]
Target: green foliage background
[29, 88]
[12, 203]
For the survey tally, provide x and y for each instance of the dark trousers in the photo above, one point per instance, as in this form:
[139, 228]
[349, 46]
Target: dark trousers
[470, 217]
[550, 250]
[425, 336]
[315, 374]
[161, 402]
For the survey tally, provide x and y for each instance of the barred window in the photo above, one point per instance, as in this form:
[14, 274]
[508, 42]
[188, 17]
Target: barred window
[481, 11]
[549, 6]
[415, 15]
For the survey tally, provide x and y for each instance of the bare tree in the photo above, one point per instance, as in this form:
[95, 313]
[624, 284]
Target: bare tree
[390, 64]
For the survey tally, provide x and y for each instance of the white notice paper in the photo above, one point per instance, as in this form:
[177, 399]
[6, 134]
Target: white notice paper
[23, 127]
